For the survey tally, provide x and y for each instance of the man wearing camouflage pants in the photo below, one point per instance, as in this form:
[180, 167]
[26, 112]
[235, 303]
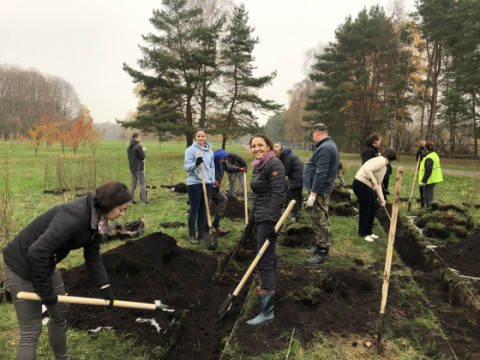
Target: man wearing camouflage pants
[319, 176]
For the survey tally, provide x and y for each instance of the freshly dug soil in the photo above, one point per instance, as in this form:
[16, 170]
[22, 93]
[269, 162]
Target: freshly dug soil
[235, 209]
[463, 255]
[342, 302]
[155, 268]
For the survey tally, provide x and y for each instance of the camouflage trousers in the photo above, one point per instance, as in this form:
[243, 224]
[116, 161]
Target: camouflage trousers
[320, 223]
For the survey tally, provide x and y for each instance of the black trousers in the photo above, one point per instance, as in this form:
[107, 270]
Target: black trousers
[366, 207]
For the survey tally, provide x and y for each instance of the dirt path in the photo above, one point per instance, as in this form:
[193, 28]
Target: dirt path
[473, 174]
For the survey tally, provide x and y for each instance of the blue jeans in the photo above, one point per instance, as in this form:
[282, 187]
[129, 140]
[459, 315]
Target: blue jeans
[198, 211]
[233, 177]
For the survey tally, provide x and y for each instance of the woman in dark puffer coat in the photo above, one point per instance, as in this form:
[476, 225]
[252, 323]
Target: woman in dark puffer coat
[31, 259]
[268, 185]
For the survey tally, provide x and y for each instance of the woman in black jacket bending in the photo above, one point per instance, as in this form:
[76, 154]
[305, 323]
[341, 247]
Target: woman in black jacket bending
[31, 259]
[268, 185]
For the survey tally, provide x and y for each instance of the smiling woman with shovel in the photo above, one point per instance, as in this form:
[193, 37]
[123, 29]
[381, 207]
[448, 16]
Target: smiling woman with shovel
[31, 259]
[198, 211]
[268, 185]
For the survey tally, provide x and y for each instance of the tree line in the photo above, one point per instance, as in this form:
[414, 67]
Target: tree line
[27, 95]
[396, 76]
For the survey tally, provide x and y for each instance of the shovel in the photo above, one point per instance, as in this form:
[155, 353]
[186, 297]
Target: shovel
[413, 184]
[388, 259]
[227, 303]
[157, 305]
[211, 239]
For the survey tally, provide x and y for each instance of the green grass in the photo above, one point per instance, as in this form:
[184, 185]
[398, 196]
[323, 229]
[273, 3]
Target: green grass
[28, 177]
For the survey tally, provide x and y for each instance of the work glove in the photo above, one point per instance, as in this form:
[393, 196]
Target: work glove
[422, 184]
[215, 183]
[249, 228]
[271, 233]
[243, 169]
[310, 201]
[344, 183]
[375, 187]
[107, 294]
[50, 299]
[199, 160]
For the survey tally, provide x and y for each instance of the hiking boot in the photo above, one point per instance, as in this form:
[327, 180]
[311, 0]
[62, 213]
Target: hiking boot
[311, 251]
[201, 235]
[193, 240]
[320, 257]
[221, 232]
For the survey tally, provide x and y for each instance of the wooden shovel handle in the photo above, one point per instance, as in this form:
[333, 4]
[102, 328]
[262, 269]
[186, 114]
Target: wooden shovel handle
[263, 248]
[205, 195]
[245, 197]
[391, 240]
[89, 301]
[414, 177]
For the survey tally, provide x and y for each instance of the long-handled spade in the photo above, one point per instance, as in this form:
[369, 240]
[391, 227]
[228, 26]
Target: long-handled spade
[157, 305]
[388, 259]
[227, 303]
[211, 239]
[413, 184]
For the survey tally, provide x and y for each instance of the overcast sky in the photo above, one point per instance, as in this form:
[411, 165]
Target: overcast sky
[86, 42]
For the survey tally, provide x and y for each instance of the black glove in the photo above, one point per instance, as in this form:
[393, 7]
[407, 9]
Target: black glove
[271, 233]
[199, 160]
[249, 228]
[107, 294]
[50, 299]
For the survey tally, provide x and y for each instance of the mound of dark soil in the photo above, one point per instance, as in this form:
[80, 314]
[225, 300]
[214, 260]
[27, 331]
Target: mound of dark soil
[344, 209]
[174, 224]
[235, 209]
[155, 268]
[463, 255]
[340, 194]
[299, 236]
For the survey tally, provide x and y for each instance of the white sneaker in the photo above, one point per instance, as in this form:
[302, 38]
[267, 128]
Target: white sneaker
[369, 238]
[373, 236]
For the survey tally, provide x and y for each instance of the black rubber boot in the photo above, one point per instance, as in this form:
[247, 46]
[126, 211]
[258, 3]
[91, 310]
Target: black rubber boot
[311, 251]
[193, 240]
[267, 312]
[320, 257]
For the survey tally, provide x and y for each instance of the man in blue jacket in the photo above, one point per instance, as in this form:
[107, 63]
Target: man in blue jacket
[319, 180]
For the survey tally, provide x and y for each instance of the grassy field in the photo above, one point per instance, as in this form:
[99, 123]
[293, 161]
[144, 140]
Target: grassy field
[25, 178]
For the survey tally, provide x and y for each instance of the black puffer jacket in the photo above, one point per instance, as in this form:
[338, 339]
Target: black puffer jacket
[293, 168]
[48, 239]
[268, 184]
[369, 153]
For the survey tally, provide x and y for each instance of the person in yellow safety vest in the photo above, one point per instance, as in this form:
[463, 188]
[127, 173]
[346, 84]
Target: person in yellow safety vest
[430, 173]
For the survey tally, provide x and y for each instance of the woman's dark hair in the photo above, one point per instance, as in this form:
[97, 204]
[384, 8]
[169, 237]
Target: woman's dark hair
[264, 137]
[111, 195]
[370, 140]
[390, 154]
[197, 130]
[429, 146]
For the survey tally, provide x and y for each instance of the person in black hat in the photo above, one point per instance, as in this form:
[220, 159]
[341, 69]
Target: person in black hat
[319, 180]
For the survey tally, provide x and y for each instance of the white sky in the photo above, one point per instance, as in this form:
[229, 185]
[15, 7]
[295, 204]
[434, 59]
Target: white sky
[86, 42]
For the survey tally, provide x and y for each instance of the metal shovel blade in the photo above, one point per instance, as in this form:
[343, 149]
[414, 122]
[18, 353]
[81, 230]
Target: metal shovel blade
[163, 307]
[211, 240]
[226, 305]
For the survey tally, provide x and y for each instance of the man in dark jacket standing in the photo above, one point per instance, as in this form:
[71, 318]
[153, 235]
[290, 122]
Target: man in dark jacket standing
[136, 159]
[319, 180]
[294, 172]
